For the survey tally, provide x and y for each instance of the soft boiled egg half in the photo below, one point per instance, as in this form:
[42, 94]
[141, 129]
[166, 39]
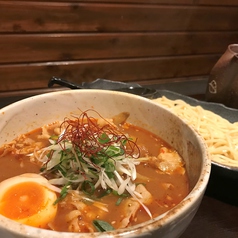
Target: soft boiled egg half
[28, 199]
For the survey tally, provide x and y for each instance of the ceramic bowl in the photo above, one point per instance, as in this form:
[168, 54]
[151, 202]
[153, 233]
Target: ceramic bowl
[33, 112]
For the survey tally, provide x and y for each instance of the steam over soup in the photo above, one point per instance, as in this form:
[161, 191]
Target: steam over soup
[89, 174]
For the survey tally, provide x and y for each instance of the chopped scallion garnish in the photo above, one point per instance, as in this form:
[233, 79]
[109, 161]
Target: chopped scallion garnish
[86, 156]
[88, 187]
[102, 225]
[63, 194]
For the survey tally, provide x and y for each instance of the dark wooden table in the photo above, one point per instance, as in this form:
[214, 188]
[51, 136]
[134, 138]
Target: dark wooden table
[215, 217]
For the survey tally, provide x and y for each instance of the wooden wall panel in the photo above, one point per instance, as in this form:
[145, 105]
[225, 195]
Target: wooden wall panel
[129, 40]
[94, 17]
[174, 2]
[128, 70]
[217, 2]
[164, 2]
[67, 47]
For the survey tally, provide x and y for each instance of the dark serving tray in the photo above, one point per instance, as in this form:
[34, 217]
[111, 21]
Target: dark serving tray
[223, 182]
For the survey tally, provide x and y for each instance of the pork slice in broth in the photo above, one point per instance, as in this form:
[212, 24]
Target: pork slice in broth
[131, 206]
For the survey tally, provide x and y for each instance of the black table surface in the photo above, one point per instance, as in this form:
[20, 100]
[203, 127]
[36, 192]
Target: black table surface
[215, 217]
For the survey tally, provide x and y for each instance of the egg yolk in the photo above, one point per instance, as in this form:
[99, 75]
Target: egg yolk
[29, 203]
[15, 202]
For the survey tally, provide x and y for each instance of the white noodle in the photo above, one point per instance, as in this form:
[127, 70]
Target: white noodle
[220, 135]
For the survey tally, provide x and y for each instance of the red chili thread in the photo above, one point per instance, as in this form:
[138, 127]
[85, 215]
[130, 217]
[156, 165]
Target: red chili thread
[84, 133]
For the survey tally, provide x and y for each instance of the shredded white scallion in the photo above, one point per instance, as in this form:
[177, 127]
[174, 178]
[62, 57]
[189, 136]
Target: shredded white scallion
[111, 168]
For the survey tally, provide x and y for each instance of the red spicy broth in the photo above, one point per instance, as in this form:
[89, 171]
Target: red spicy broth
[161, 180]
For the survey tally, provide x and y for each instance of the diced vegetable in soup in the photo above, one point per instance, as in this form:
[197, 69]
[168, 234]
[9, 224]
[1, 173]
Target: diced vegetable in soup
[91, 174]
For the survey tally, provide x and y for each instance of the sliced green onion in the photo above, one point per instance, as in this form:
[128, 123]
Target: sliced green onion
[119, 200]
[102, 225]
[63, 194]
[105, 193]
[85, 156]
[88, 187]
[103, 138]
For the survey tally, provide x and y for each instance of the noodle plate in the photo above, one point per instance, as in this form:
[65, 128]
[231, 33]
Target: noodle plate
[220, 135]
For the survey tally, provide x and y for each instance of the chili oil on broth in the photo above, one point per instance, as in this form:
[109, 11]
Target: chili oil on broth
[167, 186]
[14, 155]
